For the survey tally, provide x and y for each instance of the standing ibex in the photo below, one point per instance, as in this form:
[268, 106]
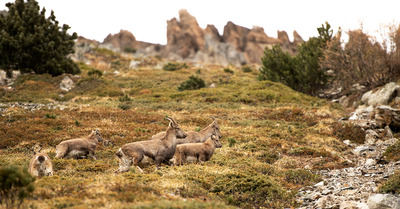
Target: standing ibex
[40, 165]
[197, 137]
[161, 150]
[201, 152]
[79, 148]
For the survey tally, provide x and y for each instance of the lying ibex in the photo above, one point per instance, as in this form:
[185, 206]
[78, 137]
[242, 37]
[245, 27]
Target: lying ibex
[79, 148]
[197, 137]
[201, 152]
[40, 165]
[161, 150]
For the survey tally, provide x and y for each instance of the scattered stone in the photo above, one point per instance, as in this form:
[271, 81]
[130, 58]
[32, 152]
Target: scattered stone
[370, 162]
[134, 64]
[371, 136]
[347, 142]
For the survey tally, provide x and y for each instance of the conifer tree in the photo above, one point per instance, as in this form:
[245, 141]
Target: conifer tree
[30, 42]
[301, 72]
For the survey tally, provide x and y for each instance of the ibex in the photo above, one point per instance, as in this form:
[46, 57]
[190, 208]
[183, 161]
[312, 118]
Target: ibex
[40, 165]
[79, 148]
[197, 137]
[201, 152]
[161, 150]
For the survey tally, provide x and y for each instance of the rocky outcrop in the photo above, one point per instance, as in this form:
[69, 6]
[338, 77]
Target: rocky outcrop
[381, 96]
[125, 41]
[184, 36]
[374, 109]
[186, 41]
[120, 41]
[238, 45]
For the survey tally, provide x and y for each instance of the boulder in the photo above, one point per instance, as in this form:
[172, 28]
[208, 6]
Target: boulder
[382, 95]
[4, 80]
[383, 201]
[67, 84]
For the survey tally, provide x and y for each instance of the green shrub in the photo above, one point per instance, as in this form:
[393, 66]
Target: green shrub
[51, 116]
[15, 185]
[231, 141]
[304, 151]
[228, 70]
[301, 72]
[130, 50]
[125, 98]
[269, 156]
[238, 188]
[95, 73]
[105, 52]
[392, 152]
[247, 69]
[173, 66]
[301, 177]
[193, 83]
[392, 185]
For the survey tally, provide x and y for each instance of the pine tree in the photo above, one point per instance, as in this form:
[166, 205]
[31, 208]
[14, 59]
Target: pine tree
[30, 42]
[301, 72]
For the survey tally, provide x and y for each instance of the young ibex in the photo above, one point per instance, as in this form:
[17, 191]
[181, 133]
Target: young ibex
[40, 165]
[201, 152]
[79, 148]
[161, 150]
[197, 137]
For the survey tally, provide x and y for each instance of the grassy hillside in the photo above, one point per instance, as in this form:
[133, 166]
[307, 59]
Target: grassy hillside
[270, 135]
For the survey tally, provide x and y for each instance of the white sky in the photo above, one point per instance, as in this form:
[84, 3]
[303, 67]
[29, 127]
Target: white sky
[146, 19]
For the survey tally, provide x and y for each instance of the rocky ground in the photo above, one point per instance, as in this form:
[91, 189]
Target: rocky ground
[354, 187]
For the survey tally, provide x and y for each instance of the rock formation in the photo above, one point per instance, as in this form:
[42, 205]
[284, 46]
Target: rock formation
[125, 41]
[122, 40]
[187, 42]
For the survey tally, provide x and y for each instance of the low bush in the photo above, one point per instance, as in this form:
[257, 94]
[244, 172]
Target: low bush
[228, 70]
[95, 73]
[392, 185]
[392, 152]
[348, 131]
[193, 83]
[15, 185]
[173, 66]
[301, 177]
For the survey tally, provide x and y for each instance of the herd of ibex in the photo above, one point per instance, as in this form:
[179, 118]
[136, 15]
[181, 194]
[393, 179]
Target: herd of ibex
[174, 146]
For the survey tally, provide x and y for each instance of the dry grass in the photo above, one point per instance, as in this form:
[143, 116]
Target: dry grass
[270, 134]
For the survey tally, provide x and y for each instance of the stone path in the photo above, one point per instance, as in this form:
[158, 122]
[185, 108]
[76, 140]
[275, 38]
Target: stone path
[351, 187]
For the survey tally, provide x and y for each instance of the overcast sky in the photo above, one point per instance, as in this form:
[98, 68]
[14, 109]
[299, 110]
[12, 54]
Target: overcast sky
[146, 19]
